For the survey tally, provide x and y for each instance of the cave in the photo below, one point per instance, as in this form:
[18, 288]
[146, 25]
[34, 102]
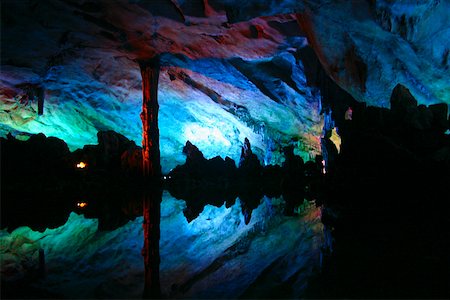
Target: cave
[224, 149]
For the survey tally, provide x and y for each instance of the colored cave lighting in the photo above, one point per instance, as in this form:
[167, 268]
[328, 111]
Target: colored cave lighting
[81, 165]
[82, 204]
[198, 134]
[349, 114]
[336, 139]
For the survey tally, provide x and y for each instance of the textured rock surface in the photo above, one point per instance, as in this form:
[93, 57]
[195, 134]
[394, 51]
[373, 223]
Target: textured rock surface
[221, 80]
[402, 41]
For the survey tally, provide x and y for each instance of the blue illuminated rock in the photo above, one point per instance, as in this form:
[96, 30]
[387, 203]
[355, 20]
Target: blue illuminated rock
[221, 80]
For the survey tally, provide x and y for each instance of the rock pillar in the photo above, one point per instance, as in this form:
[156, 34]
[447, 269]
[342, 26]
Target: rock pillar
[149, 117]
[151, 172]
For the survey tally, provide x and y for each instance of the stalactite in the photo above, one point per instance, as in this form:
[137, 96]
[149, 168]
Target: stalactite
[151, 172]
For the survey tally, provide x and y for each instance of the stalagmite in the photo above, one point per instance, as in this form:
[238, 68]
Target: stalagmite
[151, 172]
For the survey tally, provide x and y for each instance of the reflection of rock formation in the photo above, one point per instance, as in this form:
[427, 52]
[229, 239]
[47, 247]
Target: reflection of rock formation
[293, 185]
[250, 197]
[41, 183]
[216, 181]
[197, 199]
[198, 259]
[109, 186]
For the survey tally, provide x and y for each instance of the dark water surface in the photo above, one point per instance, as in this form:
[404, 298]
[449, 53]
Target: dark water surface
[209, 249]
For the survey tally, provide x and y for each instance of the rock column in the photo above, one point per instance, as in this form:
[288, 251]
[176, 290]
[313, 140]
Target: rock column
[151, 172]
[149, 117]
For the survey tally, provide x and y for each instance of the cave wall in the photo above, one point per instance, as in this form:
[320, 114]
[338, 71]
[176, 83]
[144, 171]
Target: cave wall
[229, 70]
[219, 83]
[401, 41]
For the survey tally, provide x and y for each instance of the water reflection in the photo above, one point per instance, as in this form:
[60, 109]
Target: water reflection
[96, 230]
[219, 246]
[151, 203]
[249, 194]
[114, 208]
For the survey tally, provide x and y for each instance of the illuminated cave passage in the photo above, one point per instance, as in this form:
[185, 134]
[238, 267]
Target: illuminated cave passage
[224, 149]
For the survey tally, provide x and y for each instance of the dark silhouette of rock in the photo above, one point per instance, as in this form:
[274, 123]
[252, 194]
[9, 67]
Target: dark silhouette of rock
[293, 165]
[131, 160]
[28, 170]
[250, 199]
[401, 100]
[249, 164]
[404, 109]
[293, 183]
[216, 181]
[114, 152]
[197, 199]
[87, 155]
[272, 178]
[200, 181]
[440, 116]
[393, 165]
[111, 146]
[198, 168]
[38, 155]
[193, 155]
[41, 183]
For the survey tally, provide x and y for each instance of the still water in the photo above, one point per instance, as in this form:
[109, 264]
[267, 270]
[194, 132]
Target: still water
[215, 255]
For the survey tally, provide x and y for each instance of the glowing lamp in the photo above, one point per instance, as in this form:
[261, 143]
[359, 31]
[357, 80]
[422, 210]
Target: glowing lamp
[82, 204]
[323, 167]
[81, 165]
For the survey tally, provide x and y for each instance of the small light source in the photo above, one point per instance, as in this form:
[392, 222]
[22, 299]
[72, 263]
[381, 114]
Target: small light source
[81, 165]
[82, 204]
[323, 167]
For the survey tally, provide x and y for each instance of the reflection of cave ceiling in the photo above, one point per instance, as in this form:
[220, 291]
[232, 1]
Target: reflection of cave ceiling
[230, 69]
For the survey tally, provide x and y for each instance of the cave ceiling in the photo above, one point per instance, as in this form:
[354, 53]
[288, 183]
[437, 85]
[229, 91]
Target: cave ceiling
[229, 69]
